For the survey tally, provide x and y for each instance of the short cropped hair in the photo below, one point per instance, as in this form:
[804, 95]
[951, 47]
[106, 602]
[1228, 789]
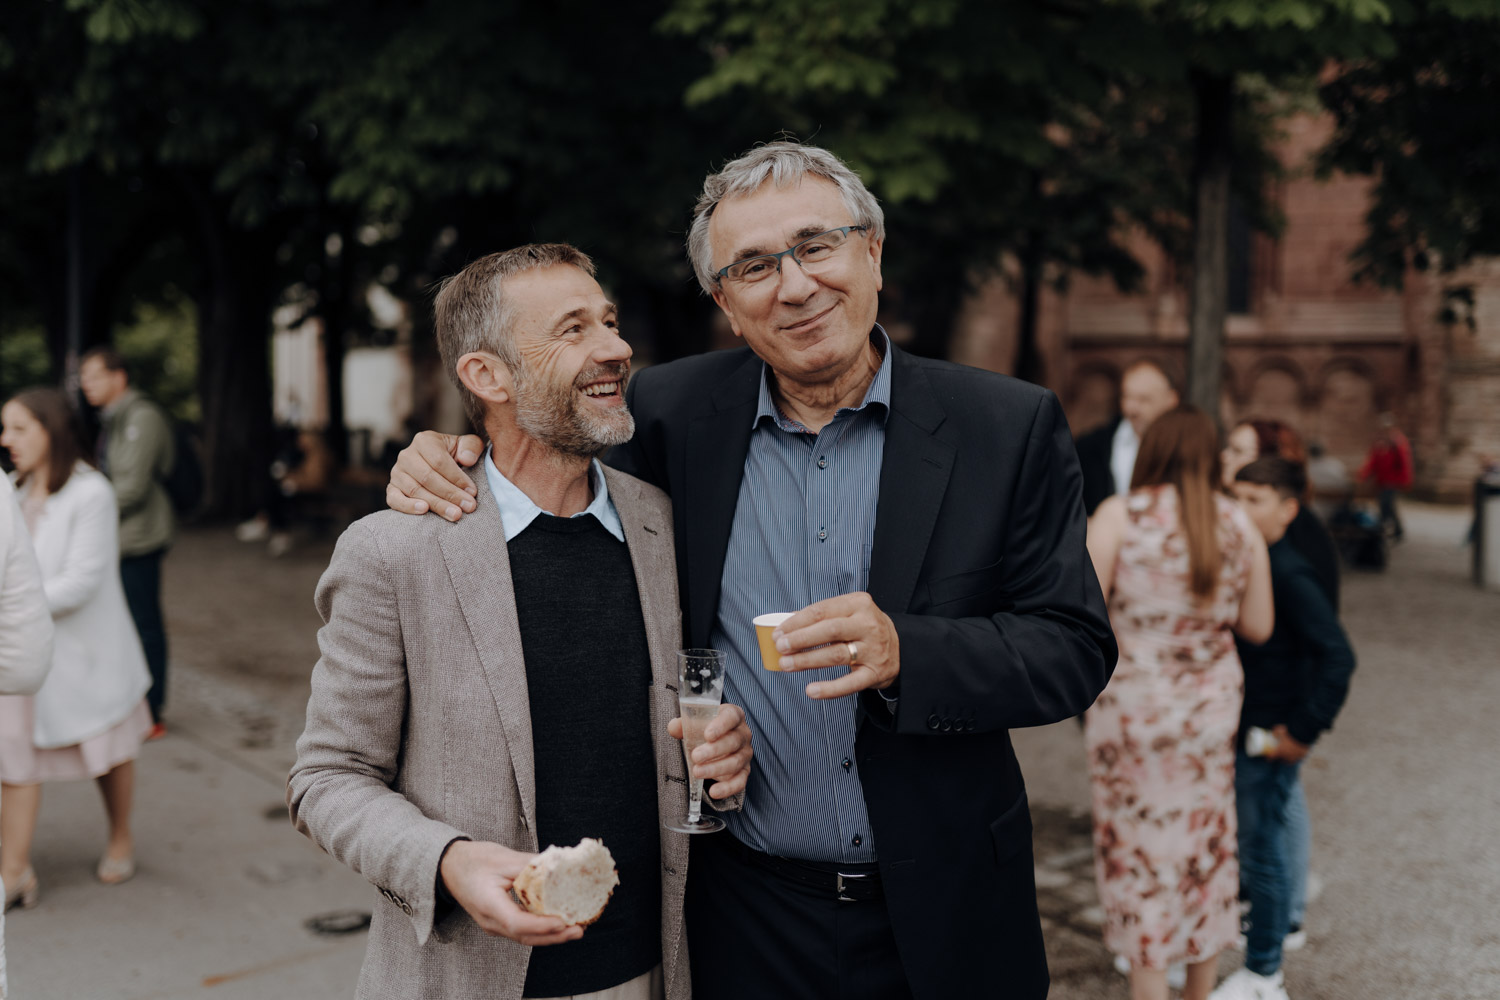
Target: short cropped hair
[786, 163]
[111, 358]
[471, 312]
[1287, 478]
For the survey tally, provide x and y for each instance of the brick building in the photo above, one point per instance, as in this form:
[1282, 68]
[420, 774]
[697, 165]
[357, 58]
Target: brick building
[1304, 343]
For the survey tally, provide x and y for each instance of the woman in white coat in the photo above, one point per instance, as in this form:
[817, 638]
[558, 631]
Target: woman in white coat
[89, 717]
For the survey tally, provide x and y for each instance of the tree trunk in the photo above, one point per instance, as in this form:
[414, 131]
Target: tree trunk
[234, 367]
[1208, 305]
[1029, 365]
[334, 308]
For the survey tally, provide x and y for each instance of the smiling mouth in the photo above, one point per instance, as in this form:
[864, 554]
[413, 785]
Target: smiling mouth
[602, 389]
[806, 323]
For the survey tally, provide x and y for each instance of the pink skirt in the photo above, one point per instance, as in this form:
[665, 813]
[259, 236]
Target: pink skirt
[21, 763]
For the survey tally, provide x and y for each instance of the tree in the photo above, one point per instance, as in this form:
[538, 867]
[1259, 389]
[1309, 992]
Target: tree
[1423, 122]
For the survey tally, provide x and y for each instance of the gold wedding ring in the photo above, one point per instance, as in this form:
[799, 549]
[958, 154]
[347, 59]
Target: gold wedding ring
[851, 653]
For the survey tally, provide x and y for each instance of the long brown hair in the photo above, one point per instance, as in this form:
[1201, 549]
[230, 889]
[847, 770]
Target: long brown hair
[64, 440]
[1181, 449]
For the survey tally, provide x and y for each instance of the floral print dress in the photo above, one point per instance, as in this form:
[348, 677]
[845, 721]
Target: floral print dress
[1160, 742]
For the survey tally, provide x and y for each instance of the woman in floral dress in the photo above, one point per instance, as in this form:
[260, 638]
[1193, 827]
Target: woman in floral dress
[1182, 569]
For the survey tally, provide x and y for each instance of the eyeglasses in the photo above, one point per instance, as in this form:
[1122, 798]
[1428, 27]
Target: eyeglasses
[811, 254]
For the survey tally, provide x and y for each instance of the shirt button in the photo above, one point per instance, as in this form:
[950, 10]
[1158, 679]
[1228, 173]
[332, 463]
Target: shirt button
[847, 763]
[822, 534]
[822, 462]
[857, 840]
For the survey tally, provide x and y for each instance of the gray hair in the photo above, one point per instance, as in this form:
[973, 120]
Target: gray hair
[785, 163]
[472, 313]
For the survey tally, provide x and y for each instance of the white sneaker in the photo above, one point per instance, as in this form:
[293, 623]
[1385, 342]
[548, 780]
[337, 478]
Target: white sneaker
[1247, 985]
[1176, 972]
[1295, 941]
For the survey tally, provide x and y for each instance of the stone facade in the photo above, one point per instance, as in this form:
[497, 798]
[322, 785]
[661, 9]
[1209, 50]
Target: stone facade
[1311, 347]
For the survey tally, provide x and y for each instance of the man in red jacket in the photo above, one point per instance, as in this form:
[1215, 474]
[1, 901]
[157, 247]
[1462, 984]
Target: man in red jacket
[1388, 466]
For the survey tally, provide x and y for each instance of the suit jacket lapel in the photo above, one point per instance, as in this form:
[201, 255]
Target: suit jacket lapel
[479, 566]
[717, 441]
[914, 473]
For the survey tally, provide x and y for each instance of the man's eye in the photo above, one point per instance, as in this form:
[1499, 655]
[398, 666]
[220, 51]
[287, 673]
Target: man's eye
[815, 249]
[752, 267]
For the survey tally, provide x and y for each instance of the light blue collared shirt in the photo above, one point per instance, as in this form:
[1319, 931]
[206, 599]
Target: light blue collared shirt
[517, 511]
[803, 529]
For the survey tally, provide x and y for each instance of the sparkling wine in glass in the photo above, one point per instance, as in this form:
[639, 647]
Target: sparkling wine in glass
[700, 691]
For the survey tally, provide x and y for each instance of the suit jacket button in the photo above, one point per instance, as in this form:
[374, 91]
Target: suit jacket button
[947, 725]
[932, 721]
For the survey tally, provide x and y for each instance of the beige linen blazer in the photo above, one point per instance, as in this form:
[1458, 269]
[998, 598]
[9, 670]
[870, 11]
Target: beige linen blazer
[419, 731]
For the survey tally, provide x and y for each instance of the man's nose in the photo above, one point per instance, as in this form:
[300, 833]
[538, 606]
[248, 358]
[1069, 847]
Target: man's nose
[796, 285]
[612, 347]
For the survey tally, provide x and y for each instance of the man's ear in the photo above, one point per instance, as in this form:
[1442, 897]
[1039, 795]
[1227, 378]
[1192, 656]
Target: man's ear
[723, 303]
[486, 376]
[1290, 508]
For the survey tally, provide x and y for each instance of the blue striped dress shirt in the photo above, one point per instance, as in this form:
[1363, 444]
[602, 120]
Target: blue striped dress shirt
[802, 532]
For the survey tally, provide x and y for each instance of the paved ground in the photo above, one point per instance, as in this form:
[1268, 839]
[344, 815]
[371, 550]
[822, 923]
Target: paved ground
[1405, 804]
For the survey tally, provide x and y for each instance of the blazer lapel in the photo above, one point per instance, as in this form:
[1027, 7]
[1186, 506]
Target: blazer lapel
[717, 442]
[914, 475]
[479, 566]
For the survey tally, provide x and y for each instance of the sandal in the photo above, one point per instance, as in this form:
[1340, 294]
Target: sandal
[113, 871]
[26, 894]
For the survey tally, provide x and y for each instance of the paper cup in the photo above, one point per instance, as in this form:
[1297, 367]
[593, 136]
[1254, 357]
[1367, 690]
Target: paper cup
[764, 626]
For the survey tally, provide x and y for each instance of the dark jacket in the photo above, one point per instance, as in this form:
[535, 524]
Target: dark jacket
[1310, 537]
[1300, 676]
[979, 559]
[1094, 452]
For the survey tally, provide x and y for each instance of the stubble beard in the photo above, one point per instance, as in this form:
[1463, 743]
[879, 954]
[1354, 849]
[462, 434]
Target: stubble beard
[557, 415]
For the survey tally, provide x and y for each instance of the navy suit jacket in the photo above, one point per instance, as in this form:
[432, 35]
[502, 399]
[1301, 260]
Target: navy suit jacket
[979, 559]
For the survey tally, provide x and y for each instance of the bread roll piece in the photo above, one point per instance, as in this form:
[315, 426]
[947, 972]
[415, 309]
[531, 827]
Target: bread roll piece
[572, 883]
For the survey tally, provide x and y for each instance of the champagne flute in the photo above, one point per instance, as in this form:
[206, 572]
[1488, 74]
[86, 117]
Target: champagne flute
[700, 691]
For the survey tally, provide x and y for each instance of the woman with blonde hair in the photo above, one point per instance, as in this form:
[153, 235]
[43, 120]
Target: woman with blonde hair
[90, 716]
[1183, 570]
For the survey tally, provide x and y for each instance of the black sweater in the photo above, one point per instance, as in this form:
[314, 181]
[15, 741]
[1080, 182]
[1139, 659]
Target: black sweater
[588, 677]
[1300, 676]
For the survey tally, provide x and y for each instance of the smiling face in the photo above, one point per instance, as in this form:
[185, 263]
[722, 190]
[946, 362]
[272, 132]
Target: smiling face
[1145, 394]
[810, 328]
[25, 438]
[570, 386]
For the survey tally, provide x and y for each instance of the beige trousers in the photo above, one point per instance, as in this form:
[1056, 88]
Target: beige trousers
[646, 986]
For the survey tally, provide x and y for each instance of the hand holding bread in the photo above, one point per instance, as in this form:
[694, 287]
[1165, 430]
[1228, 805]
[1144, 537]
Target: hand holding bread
[571, 883]
[480, 875]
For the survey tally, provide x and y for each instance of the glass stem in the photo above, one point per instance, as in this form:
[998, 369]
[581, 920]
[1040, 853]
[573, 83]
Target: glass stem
[695, 800]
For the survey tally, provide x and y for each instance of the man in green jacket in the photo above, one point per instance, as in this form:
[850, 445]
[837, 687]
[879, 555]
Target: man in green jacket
[136, 452]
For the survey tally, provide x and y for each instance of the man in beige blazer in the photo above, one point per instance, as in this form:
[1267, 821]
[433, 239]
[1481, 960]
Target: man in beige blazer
[489, 687]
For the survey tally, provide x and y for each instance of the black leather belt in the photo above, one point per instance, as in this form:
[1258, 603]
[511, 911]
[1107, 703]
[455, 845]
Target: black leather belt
[850, 883]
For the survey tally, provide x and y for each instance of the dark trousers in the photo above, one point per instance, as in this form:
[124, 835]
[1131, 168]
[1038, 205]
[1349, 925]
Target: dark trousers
[754, 935]
[141, 576]
[1390, 521]
[1262, 792]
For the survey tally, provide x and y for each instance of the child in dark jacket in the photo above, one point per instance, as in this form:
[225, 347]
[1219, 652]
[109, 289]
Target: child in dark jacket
[1295, 685]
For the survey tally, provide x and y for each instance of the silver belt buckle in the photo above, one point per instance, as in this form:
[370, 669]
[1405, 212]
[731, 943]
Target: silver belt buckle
[841, 876]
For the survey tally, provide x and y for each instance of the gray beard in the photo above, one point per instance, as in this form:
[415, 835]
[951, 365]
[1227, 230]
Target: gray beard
[556, 417]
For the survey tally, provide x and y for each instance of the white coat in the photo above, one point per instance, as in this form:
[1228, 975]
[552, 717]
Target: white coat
[25, 625]
[99, 670]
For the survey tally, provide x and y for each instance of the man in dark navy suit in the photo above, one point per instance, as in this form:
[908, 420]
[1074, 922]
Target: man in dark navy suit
[1106, 454]
[925, 523]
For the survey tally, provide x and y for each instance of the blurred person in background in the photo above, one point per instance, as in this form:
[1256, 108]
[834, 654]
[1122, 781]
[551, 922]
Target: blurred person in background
[1249, 441]
[89, 717]
[1183, 570]
[1107, 454]
[25, 649]
[1388, 467]
[1295, 684]
[1256, 438]
[137, 453]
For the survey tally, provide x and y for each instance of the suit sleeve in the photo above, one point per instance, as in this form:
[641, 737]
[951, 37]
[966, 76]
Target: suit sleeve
[1048, 651]
[340, 790]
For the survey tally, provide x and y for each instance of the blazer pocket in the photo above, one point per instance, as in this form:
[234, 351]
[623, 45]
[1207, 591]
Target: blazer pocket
[1011, 833]
[966, 585]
